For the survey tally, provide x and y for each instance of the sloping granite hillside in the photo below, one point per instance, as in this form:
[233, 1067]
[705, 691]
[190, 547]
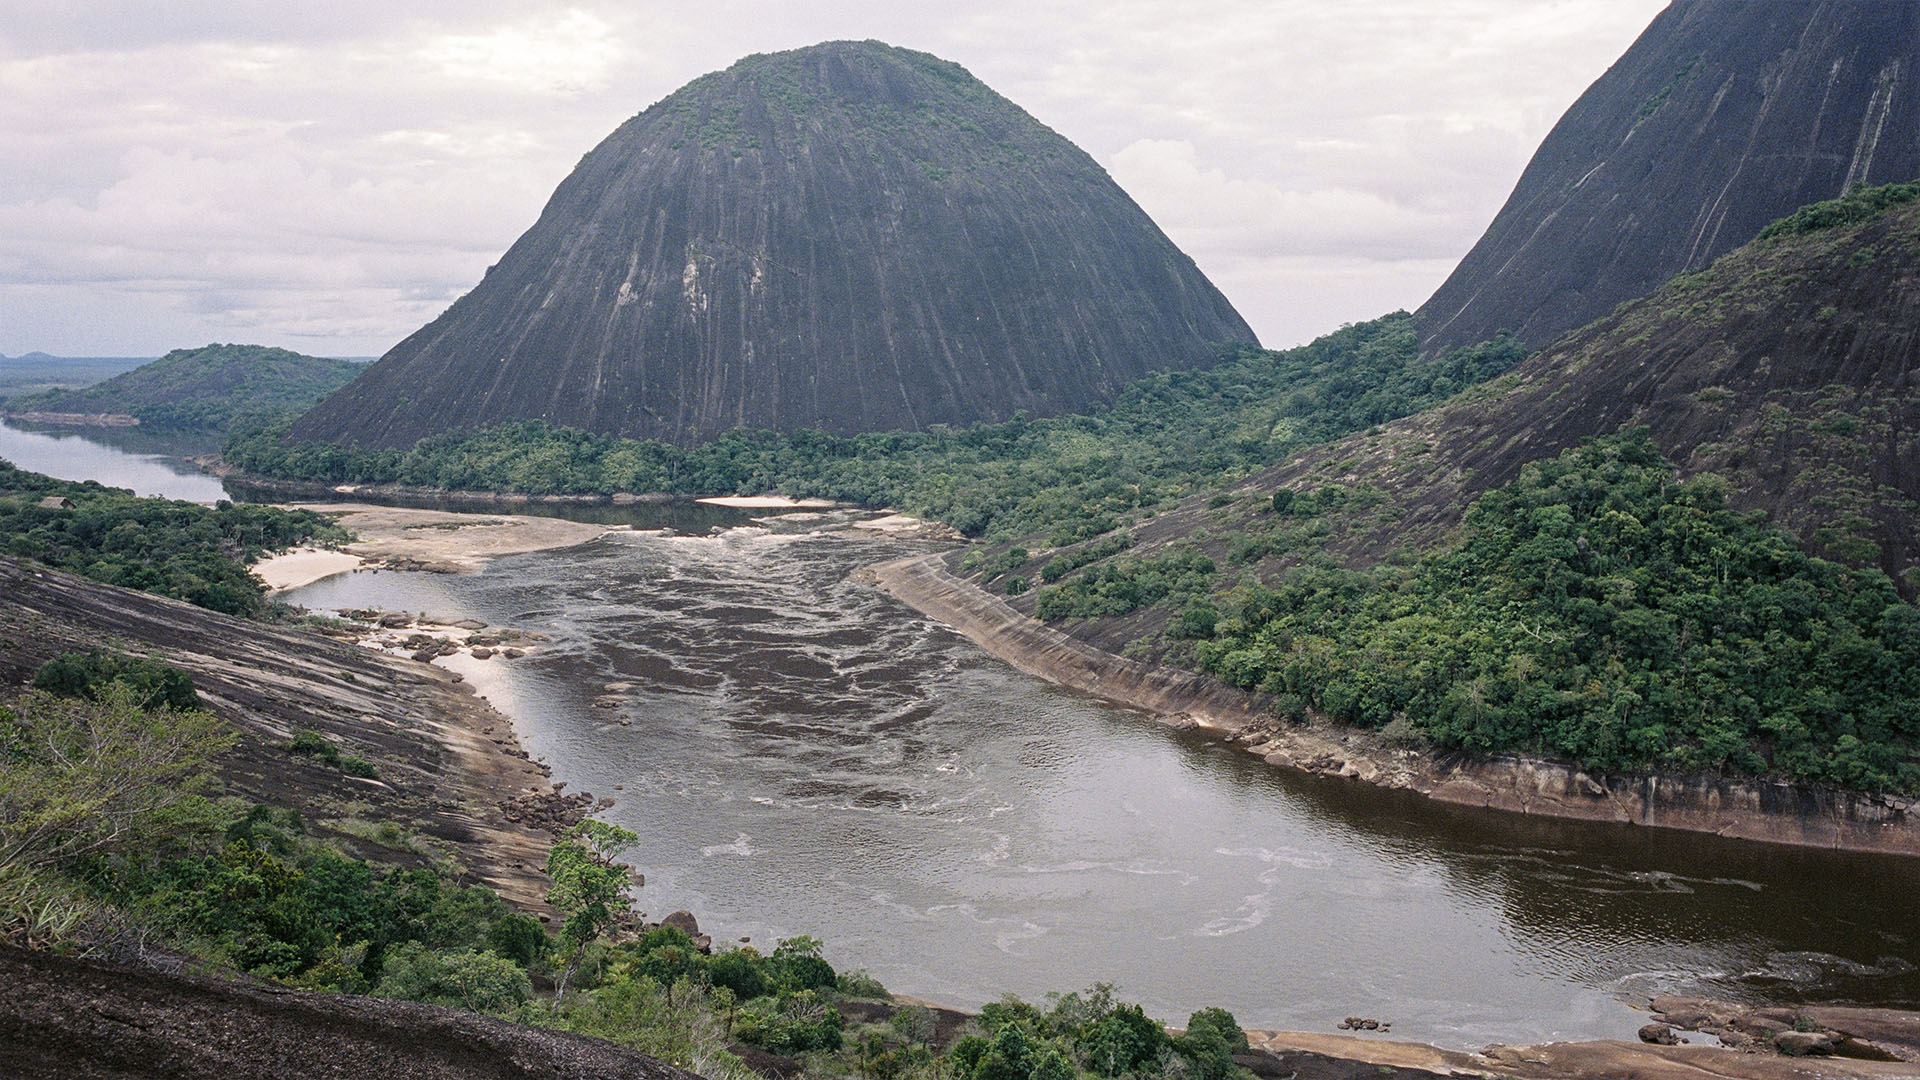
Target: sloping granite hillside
[849, 237]
[1723, 116]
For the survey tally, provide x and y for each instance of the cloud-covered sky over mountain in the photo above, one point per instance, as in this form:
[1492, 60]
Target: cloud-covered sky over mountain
[328, 177]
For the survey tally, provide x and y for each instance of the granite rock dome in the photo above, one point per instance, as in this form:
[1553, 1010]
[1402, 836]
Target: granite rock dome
[847, 237]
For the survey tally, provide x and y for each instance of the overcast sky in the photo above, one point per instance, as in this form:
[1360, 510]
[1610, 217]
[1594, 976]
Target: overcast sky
[328, 175]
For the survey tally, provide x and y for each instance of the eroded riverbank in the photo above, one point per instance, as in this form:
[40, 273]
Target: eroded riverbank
[1728, 807]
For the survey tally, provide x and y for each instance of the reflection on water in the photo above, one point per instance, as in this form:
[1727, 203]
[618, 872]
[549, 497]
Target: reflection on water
[800, 754]
[126, 458]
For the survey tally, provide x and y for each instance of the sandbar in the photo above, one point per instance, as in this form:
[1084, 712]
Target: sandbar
[434, 540]
[766, 502]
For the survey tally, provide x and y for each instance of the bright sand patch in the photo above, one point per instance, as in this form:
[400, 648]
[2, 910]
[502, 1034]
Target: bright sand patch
[766, 502]
[910, 527]
[303, 566]
[440, 540]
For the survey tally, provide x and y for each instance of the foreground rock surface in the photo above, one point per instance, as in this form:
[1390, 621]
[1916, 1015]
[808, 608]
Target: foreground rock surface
[79, 1020]
[450, 769]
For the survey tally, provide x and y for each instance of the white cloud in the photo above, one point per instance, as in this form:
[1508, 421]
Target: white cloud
[574, 54]
[330, 176]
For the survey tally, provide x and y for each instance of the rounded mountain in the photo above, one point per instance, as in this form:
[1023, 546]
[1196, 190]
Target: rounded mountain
[848, 237]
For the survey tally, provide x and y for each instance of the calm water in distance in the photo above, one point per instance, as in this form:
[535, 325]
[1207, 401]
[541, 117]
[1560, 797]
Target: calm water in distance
[148, 465]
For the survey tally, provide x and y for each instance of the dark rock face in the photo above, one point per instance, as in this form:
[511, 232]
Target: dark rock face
[1725, 115]
[849, 237]
[1789, 368]
[85, 1020]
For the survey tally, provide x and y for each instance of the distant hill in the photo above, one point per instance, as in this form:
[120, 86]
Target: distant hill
[203, 389]
[849, 237]
[35, 372]
[1723, 116]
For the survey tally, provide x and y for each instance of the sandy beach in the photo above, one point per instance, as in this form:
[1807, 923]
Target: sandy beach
[434, 540]
[767, 502]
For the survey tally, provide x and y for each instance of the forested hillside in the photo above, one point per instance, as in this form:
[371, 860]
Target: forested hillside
[1067, 477]
[204, 389]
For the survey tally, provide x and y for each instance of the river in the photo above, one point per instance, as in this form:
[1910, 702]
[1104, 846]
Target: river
[800, 754]
[121, 457]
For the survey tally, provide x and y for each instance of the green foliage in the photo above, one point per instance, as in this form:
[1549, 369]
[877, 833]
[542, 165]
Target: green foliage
[1858, 206]
[84, 777]
[190, 552]
[589, 887]
[1125, 585]
[469, 979]
[88, 674]
[791, 1022]
[1123, 1041]
[317, 746]
[681, 1023]
[519, 938]
[1069, 478]
[1212, 1037]
[1068, 561]
[1600, 611]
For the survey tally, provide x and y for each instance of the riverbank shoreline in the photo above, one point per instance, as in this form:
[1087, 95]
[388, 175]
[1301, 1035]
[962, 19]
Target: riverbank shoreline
[451, 773]
[1746, 809]
[436, 541]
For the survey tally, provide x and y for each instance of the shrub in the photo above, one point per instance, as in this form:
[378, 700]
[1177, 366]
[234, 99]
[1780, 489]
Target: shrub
[791, 1022]
[470, 979]
[83, 675]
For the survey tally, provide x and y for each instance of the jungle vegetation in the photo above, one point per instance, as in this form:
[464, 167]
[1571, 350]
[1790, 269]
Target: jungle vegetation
[1066, 478]
[190, 552]
[1597, 610]
[113, 830]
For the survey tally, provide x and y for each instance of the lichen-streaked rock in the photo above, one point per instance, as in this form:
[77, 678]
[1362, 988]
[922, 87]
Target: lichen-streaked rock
[1723, 116]
[848, 237]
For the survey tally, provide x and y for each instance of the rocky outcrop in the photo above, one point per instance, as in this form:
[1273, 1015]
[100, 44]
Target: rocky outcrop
[81, 1020]
[849, 237]
[449, 766]
[1559, 1061]
[1723, 116]
[1803, 1031]
[1789, 369]
[1746, 809]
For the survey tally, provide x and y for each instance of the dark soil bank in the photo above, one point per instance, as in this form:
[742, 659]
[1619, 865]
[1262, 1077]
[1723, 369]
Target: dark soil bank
[77, 1020]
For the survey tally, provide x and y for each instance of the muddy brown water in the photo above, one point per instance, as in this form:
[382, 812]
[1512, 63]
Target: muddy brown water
[800, 754]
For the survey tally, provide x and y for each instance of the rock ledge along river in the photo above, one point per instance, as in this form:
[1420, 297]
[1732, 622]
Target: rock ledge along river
[800, 754]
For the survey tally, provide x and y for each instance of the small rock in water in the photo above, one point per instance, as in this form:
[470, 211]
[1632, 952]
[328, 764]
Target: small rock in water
[483, 654]
[683, 921]
[1659, 1035]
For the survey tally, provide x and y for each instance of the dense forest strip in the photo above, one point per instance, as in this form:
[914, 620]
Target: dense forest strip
[1068, 477]
[1751, 809]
